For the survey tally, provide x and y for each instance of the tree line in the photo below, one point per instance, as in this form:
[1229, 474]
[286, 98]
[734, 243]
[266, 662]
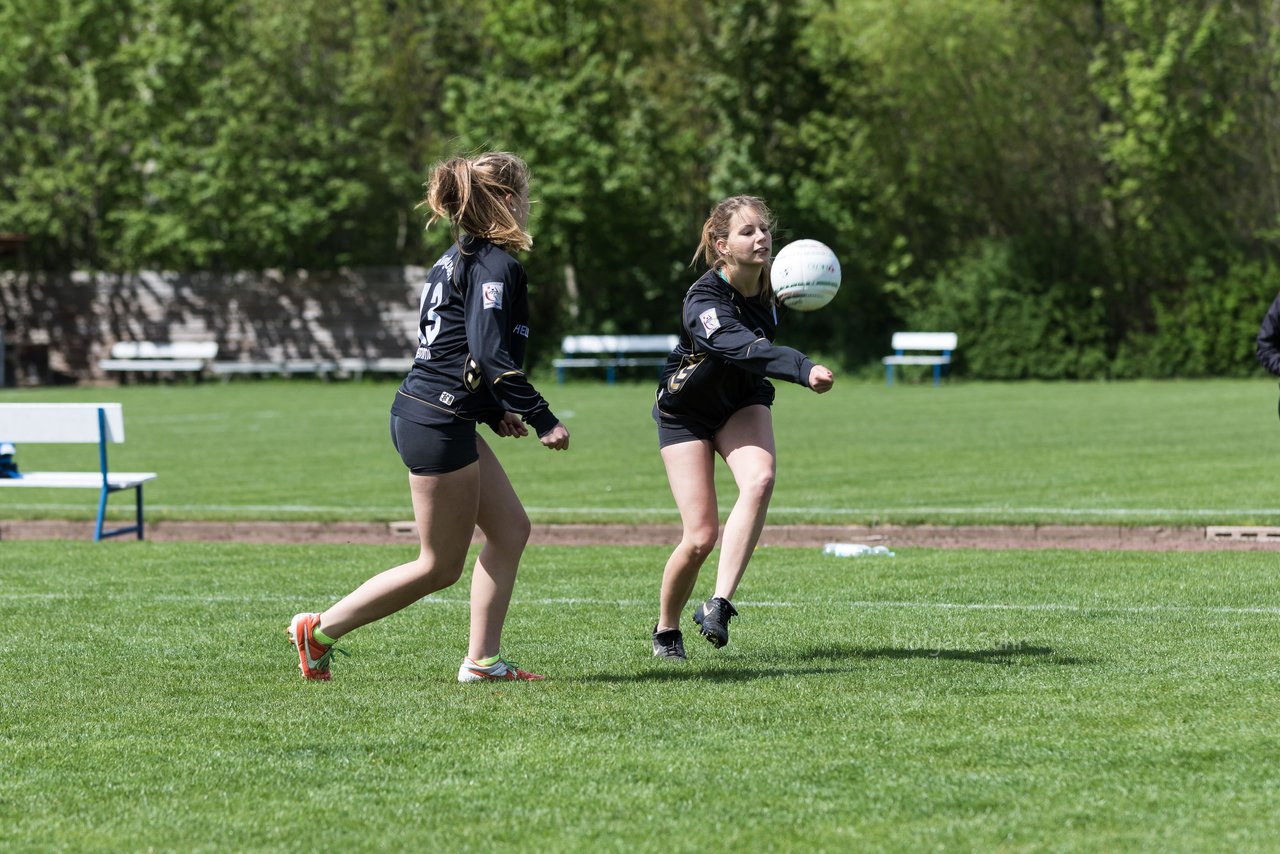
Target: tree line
[1080, 188]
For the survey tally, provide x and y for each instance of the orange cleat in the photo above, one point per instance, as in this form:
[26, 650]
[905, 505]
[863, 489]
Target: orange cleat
[313, 656]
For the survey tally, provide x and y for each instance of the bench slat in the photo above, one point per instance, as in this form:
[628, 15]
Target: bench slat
[247, 367]
[619, 343]
[916, 360]
[621, 362]
[59, 422]
[924, 341]
[151, 365]
[78, 479]
[164, 350]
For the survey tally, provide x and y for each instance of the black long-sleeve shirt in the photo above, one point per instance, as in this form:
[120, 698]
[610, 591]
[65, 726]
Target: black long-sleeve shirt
[1269, 339]
[473, 329]
[725, 353]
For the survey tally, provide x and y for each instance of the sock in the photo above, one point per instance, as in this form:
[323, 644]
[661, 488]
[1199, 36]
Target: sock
[487, 662]
[322, 637]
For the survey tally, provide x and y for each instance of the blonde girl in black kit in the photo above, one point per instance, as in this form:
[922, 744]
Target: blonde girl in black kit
[714, 399]
[473, 329]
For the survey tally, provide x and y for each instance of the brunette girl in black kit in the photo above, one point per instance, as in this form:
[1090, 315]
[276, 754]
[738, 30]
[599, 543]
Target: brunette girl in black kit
[473, 329]
[714, 398]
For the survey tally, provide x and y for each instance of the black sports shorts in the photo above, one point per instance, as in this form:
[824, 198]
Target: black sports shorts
[673, 429]
[437, 449]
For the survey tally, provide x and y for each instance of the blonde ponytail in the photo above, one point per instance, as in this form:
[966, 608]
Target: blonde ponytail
[472, 194]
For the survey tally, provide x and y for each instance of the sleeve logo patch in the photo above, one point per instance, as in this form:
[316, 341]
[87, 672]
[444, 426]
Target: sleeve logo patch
[492, 294]
[710, 321]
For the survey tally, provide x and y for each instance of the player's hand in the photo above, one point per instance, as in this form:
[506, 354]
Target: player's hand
[557, 438]
[821, 379]
[511, 426]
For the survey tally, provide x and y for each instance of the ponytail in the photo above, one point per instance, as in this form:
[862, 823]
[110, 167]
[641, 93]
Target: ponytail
[472, 193]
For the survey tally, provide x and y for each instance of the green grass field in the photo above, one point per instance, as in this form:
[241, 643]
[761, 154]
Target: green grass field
[1163, 453]
[937, 700]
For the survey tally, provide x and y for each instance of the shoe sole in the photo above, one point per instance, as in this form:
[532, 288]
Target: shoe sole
[719, 640]
[712, 638]
[467, 676]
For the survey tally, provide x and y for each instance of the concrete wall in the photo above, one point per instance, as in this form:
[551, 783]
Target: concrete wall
[58, 325]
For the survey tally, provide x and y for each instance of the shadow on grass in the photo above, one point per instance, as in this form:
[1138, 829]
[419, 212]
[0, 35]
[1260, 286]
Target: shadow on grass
[1013, 653]
[834, 660]
[667, 671]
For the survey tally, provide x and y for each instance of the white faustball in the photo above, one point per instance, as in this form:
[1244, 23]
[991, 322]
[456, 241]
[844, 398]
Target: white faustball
[806, 275]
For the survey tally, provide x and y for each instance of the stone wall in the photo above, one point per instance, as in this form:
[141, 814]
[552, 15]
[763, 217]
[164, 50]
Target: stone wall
[58, 325]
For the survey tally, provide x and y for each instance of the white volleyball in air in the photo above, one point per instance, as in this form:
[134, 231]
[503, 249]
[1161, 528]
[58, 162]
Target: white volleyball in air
[806, 275]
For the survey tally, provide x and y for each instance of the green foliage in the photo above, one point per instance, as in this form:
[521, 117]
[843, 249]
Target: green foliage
[592, 97]
[1012, 326]
[1103, 145]
[1209, 327]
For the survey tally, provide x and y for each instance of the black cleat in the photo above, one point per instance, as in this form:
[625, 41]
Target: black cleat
[668, 644]
[712, 617]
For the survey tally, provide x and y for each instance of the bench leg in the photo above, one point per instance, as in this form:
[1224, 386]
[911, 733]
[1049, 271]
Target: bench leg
[99, 534]
[102, 512]
[937, 374]
[888, 374]
[138, 507]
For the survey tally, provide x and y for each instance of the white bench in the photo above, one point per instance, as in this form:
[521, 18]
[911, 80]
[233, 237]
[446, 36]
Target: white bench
[71, 423]
[612, 352]
[353, 367]
[357, 368]
[174, 356]
[920, 348]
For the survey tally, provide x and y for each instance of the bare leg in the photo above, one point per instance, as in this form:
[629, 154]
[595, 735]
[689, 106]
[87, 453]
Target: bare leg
[505, 524]
[691, 473]
[746, 443]
[444, 508]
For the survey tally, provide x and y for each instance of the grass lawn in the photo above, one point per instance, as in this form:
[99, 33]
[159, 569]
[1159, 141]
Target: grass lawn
[1161, 453]
[962, 700]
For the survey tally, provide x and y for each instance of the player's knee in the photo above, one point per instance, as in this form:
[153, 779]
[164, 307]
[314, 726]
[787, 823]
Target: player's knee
[517, 531]
[512, 535]
[699, 541]
[759, 484]
[434, 573]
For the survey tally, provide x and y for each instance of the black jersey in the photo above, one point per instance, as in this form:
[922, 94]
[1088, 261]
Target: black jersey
[472, 332]
[726, 351]
[1269, 339]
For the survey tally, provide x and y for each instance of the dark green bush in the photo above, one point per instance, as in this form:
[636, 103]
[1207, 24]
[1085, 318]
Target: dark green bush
[1010, 325]
[1209, 327]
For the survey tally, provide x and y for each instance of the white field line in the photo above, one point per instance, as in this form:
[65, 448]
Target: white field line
[1265, 610]
[670, 512]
